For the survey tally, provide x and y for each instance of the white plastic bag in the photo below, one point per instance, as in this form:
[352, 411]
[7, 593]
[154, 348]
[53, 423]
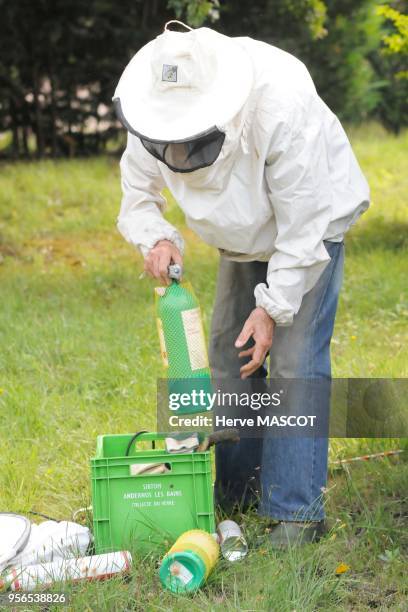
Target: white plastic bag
[50, 541]
[14, 534]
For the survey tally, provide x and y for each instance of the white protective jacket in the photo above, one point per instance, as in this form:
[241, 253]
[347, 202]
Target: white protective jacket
[285, 181]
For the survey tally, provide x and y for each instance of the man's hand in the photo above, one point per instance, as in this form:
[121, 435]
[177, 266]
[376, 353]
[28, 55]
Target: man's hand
[258, 326]
[159, 258]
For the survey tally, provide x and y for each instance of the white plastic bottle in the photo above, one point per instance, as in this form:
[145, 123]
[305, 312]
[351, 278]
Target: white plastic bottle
[95, 567]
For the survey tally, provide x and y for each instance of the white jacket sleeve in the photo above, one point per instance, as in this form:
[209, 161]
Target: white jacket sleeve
[299, 189]
[140, 219]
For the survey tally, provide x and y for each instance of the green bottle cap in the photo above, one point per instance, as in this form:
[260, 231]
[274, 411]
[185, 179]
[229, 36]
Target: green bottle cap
[182, 572]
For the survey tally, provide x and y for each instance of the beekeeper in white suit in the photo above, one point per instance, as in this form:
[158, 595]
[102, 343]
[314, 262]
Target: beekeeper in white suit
[264, 172]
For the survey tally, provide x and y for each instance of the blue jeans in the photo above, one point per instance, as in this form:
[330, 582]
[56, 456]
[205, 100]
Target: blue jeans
[286, 475]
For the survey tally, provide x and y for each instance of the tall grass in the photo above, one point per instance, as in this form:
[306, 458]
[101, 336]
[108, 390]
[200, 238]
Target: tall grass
[79, 357]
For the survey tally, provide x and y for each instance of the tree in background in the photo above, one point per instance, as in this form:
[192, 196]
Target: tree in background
[195, 12]
[340, 42]
[61, 59]
[59, 62]
[340, 63]
[396, 43]
[391, 61]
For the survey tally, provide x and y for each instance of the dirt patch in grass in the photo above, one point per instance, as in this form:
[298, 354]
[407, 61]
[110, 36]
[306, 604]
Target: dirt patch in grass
[8, 248]
[64, 249]
[74, 251]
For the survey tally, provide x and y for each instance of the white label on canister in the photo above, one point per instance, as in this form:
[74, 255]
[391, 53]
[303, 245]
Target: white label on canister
[163, 349]
[193, 329]
[180, 571]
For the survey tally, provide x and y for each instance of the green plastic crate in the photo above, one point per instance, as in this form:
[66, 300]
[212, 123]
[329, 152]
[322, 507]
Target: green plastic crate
[141, 512]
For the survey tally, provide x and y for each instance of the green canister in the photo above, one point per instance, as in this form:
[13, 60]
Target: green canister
[182, 342]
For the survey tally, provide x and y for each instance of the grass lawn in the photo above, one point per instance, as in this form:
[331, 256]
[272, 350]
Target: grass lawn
[79, 357]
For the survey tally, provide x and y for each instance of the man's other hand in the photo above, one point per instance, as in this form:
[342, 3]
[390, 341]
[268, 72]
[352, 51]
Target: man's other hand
[258, 326]
[159, 258]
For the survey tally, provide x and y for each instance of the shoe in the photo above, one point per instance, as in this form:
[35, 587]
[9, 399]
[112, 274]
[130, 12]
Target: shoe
[287, 534]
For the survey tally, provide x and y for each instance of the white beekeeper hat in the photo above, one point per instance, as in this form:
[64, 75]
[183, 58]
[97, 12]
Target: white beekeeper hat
[182, 84]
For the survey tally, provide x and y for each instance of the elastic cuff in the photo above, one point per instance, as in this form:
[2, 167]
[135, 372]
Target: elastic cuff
[282, 315]
[171, 236]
